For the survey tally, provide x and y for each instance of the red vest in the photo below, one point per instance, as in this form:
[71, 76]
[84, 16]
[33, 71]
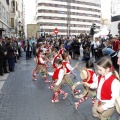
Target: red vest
[55, 58]
[61, 51]
[39, 63]
[55, 74]
[91, 77]
[64, 64]
[106, 88]
[48, 47]
[115, 45]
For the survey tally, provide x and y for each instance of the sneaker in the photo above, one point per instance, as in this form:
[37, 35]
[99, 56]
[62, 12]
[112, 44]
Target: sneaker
[54, 101]
[76, 106]
[47, 81]
[77, 91]
[66, 94]
[51, 87]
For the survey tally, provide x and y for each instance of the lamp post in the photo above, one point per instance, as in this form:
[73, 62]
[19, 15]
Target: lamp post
[19, 29]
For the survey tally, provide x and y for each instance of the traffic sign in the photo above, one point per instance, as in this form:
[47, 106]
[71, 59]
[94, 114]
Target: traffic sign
[56, 31]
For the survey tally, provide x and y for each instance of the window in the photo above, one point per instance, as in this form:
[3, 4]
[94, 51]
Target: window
[62, 12]
[62, 6]
[62, 24]
[12, 22]
[7, 18]
[3, 13]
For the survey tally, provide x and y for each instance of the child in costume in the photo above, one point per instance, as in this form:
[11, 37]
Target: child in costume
[69, 58]
[62, 49]
[35, 59]
[41, 66]
[55, 57]
[88, 75]
[68, 68]
[108, 87]
[58, 79]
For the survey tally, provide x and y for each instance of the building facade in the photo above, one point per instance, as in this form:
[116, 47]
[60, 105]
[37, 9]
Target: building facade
[115, 16]
[71, 17]
[17, 18]
[5, 18]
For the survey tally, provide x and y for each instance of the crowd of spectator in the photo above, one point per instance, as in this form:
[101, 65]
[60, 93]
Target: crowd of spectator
[96, 48]
[10, 53]
[11, 49]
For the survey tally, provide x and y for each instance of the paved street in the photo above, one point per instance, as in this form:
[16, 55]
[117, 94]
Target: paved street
[24, 99]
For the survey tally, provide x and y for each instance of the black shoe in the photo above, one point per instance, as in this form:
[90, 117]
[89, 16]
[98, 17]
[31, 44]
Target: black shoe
[7, 72]
[1, 74]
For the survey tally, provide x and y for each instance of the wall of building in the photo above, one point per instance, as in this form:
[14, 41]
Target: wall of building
[115, 16]
[114, 28]
[32, 30]
[4, 18]
[53, 14]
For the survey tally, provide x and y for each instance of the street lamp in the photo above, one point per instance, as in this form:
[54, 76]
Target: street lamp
[19, 29]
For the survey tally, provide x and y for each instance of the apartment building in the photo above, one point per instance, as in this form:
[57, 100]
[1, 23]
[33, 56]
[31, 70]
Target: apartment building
[17, 17]
[5, 18]
[115, 16]
[71, 17]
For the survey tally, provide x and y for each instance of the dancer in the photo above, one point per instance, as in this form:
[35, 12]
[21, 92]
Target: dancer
[58, 79]
[108, 88]
[88, 75]
[62, 49]
[68, 68]
[40, 66]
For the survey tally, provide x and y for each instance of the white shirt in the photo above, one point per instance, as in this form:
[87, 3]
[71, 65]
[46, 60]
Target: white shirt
[54, 58]
[69, 67]
[41, 60]
[60, 75]
[96, 44]
[115, 88]
[44, 49]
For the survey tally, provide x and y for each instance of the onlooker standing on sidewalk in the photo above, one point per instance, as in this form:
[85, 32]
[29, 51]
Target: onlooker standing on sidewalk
[116, 43]
[2, 55]
[27, 47]
[10, 54]
[96, 44]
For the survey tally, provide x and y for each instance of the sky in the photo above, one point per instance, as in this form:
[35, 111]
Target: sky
[30, 10]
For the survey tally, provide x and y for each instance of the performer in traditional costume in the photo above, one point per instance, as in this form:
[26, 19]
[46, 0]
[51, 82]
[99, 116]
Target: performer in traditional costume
[55, 57]
[108, 88]
[58, 79]
[88, 75]
[68, 68]
[62, 49]
[41, 66]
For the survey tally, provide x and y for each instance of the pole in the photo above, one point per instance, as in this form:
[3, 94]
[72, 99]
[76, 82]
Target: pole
[56, 36]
